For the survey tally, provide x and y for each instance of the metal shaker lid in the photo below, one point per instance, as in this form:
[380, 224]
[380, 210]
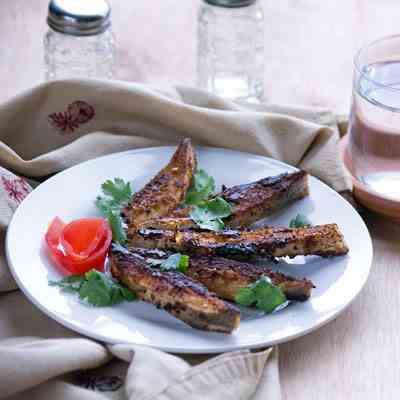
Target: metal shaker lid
[230, 3]
[79, 17]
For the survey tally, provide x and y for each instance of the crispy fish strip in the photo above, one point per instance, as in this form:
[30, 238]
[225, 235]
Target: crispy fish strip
[176, 293]
[250, 202]
[254, 201]
[165, 191]
[225, 277]
[322, 240]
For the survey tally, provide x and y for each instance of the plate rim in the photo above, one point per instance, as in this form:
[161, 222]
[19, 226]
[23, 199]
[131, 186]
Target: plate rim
[77, 328]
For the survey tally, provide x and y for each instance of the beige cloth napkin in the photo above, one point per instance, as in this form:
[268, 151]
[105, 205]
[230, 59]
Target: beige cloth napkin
[56, 125]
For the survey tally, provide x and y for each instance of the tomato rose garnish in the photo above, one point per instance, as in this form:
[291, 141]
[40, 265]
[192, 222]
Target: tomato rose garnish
[79, 246]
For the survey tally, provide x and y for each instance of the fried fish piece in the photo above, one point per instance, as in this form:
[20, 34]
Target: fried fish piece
[172, 223]
[165, 191]
[176, 293]
[254, 201]
[250, 202]
[225, 277]
[322, 240]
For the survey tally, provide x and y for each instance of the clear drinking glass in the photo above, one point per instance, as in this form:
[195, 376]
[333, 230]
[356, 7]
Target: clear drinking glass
[374, 127]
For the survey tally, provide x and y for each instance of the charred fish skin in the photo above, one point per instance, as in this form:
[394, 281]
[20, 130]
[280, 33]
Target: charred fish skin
[225, 277]
[153, 238]
[254, 201]
[322, 240]
[165, 191]
[169, 223]
[250, 202]
[176, 293]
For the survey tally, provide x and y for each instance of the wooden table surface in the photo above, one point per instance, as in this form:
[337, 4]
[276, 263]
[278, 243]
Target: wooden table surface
[309, 45]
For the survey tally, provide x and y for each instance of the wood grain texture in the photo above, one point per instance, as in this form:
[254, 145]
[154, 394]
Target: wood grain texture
[309, 49]
[357, 356]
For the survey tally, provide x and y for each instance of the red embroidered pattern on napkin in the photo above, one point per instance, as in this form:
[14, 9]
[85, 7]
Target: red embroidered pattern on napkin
[17, 188]
[77, 113]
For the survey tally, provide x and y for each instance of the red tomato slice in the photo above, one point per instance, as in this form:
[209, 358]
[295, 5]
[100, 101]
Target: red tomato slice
[54, 231]
[52, 239]
[79, 246]
[96, 259]
[82, 237]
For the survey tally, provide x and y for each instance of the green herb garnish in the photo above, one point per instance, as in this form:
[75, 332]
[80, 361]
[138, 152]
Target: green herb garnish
[263, 294]
[118, 231]
[70, 283]
[209, 214]
[300, 221]
[208, 210]
[119, 190]
[203, 185]
[175, 262]
[117, 193]
[95, 288]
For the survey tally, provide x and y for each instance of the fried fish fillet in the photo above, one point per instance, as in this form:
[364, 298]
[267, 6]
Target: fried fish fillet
[165, 191]
[172, 223]
[254, 201]
[250, 202]
[176, 293]
[322, 240]
[225, 277]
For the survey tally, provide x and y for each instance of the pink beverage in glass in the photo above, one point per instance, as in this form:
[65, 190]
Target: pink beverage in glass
[374, 127]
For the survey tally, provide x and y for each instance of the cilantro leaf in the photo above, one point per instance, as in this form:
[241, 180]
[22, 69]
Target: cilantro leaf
[175, 262]
[218, 208]
[207, 211]
[119, 190]
[95, 288]
[266, 296]
[209, 214]
[70, 283]
[245, 296]
[105, 204]
[118, 231]
[300, 221]
[117, 193]
[127, 294]
[203, 185]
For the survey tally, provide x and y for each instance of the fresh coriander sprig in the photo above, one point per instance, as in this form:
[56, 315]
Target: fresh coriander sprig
[117, 194]
[263, 294]
[119, 190]
[209, 214]
[208, 210]
[175, 262]
[118, 231]
[95, 288]
[300, 221]
[203, 185]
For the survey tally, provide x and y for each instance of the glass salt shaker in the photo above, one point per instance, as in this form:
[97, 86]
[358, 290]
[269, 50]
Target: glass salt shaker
[230, 60]
[79, 42]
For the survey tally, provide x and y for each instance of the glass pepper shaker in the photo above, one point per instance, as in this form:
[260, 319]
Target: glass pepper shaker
[230, 60]
[79, 42]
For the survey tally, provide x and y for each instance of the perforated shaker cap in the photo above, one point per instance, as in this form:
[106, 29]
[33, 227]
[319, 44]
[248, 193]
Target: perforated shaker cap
[230, 3]
[79, 17]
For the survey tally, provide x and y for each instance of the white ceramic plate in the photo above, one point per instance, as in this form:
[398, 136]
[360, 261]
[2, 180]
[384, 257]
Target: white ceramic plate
[71, 194]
